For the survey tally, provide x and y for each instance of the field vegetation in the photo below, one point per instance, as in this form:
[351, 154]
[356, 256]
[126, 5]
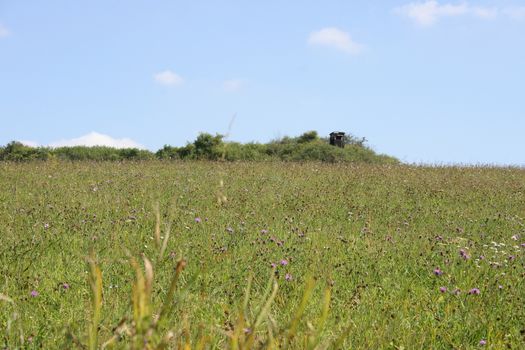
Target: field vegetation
[240, 255]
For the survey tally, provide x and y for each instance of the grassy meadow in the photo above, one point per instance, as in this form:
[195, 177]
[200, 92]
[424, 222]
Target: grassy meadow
[269, 255]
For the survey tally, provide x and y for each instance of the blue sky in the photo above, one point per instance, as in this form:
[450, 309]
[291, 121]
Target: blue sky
[425, 81]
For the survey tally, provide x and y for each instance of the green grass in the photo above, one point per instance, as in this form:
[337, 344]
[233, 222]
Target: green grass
[369, 237]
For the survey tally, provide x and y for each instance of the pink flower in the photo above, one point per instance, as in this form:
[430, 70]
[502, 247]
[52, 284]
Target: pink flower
[198, 220]
[284, 262]
[443, 289]
[34, 293]
[288, 277]
[474, 291]
[482, 342]
[437, 271]
[463, 254]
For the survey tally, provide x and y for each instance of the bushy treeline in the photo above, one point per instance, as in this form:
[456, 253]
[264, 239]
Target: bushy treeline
[306, 147]
[16, 151]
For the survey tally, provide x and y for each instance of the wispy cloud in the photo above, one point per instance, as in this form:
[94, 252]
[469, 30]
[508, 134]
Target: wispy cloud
[233, 85]
[429, 12]
[96, 139]
[335, 38]
[168, 78]
[4, 32]
[517, 13]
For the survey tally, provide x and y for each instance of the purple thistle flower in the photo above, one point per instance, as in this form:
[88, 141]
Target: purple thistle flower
[65, 285]
[463, 254]
[474, 291]
[443, 289]
[437, 271]
[511, 257]
[522, 245]
[198, 220]
[482, 342]
[288, 277]
[284, 262]
[273, 265]
[34, 293]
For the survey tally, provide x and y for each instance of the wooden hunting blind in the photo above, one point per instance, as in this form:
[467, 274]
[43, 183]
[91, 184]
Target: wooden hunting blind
[337, 138]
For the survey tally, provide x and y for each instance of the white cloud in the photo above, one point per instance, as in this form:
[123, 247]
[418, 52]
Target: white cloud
[168, 78]
[29, 143]
[429, 12]
[96, 139]
[4, 32]
[485, 12]
[232, 85]
[517, 13]
[335, 38]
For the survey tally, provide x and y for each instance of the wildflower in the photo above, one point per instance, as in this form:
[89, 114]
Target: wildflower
[482, 342]
[474, 291]
[264, 231]
[443, 289]
[198, 220]
[523, 245]
[463, 254]
[456, 291]
[34, 293]
[437, 271]
[46, 226]
[65, 285]
[288, 277]
[500, 287]
[273, 265]
[439, 238]
[284, 262]
[515, 237]
[229, 229]
[511, 257]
